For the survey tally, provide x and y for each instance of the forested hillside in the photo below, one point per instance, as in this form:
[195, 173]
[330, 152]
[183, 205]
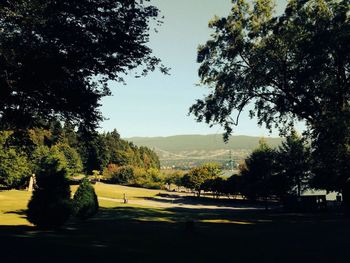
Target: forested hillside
[23, 152]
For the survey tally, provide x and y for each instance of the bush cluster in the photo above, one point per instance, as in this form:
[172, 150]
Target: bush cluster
[134, 176]
[50, 205]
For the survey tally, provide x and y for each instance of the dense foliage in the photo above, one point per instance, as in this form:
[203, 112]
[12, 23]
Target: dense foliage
[292, 166]
[278, 173]
[56, 57]
[109, 148]
[134, 176]
[14, 167]
[85, 203]
[257, 172]
[21, 154]
[50, 205]
[197, 177]
[266, 173]
[294, 66]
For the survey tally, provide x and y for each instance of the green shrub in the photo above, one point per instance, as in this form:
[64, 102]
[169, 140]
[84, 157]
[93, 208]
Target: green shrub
[123, 175]
[85, 203]
[14, 168]
[50, 205]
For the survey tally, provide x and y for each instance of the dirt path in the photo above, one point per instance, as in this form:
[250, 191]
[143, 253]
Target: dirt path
[179, 203]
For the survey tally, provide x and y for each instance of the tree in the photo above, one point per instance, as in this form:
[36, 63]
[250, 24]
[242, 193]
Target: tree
[85, 202]
[73, 160]
[233, 185]
[331, 156]
[50, 204]
[93, 152]
[215, 185]
[56, 57]
[173, 177]
[258, 171]
[290, 67]
[123, 175]
[14, 167]
[195, 179]
[292, 166]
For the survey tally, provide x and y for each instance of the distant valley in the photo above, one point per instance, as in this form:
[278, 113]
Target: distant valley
[186, 151]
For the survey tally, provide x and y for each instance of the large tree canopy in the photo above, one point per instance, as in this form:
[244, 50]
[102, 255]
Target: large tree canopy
[289, 67]
[57, 56]
[293, 66]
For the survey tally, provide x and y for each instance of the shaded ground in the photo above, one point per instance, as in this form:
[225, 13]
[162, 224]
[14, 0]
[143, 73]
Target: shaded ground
[181, 233]
[178, 201]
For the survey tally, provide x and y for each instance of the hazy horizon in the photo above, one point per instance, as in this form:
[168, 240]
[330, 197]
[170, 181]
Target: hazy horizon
[209, 134]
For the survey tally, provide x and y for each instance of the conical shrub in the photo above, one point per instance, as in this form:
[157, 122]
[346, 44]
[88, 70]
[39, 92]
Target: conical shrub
[85, 203]
[50, 205]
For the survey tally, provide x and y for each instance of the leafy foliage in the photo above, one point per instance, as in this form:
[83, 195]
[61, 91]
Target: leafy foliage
[74, 163]
[257, 174]
[122, 175]
[50, 205]
[197, 177]
[14, 167]
[290, 67]
[22, 156]
[85, 203]
[57, 56]
[274, 62]
[108, 148]
[292, 169]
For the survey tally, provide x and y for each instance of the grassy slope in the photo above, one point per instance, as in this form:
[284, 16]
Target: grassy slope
[117, 191]
[13, 203]
[126, 233]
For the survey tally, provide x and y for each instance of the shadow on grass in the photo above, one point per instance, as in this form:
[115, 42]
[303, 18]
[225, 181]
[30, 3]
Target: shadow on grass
[21, 212]
[208, 201]
[133, 234]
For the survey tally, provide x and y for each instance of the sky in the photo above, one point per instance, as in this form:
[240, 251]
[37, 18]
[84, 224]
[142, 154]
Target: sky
[157, 105]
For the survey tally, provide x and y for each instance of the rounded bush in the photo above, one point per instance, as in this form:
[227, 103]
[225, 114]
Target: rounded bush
[85, 203]
[123, 175]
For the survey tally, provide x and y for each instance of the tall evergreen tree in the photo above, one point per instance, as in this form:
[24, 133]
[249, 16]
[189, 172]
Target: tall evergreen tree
[50, 205]
[258, 172]
[85, 203]
[293, 171]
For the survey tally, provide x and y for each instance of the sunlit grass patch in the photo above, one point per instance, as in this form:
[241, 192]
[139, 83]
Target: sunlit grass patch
[156, 219]
[118, 191]
[226, 221]
[12, 207]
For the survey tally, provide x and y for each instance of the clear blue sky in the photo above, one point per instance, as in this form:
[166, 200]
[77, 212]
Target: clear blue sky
[157, 105]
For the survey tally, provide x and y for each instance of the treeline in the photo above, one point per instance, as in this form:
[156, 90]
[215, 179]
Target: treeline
[21, 153]
[267, 172]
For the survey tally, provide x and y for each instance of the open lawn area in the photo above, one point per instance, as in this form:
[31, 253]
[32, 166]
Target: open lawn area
[178, 232]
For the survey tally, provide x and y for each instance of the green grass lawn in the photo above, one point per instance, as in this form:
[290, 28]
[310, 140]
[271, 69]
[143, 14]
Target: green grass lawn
[13, 203]
[12, 206]
[117, 191]
[129, 233]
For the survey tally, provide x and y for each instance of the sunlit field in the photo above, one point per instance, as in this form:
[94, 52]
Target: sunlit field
[136, 233]
[12, 206]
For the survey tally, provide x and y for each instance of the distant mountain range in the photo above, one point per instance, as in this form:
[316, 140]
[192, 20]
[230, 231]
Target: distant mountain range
[187, 151]
[212, 142]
